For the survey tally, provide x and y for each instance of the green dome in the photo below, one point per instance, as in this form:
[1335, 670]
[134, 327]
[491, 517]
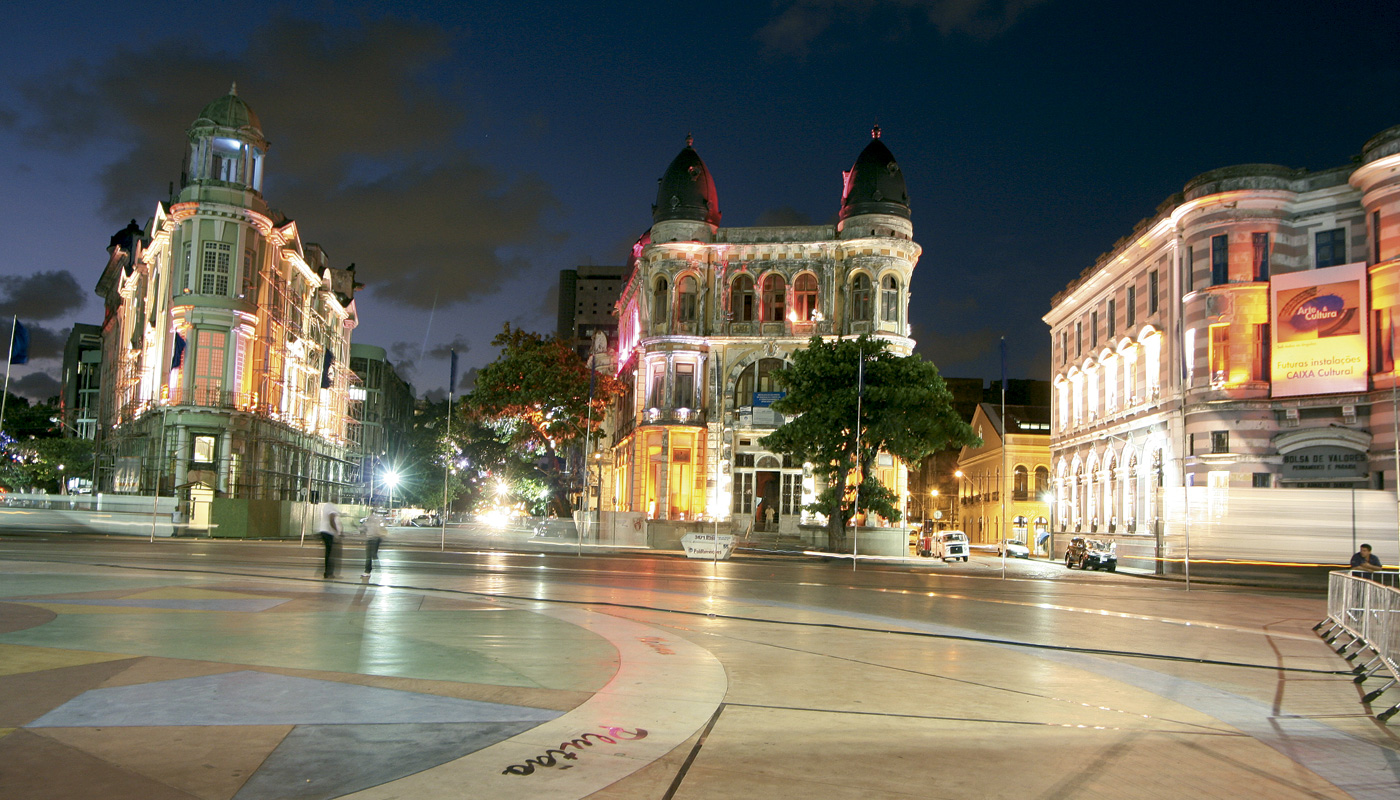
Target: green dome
[230, 111]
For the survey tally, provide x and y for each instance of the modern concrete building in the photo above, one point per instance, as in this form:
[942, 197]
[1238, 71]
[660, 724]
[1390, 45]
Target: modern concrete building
[225, 347]
[82, 381]
[1239, 338]
[709, 314]
[384, 411]
[587, 302]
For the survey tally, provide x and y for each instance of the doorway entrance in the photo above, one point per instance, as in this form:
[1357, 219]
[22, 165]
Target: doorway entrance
[767, 512]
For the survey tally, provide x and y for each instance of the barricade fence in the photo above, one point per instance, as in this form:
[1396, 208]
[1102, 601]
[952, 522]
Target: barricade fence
[1363, 626]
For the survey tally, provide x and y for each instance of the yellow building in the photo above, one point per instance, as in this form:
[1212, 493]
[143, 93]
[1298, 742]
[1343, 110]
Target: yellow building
[709, 315]
[1004, 485]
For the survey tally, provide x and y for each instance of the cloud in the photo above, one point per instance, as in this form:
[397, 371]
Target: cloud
[443, 351]
[36, 386]
[404, 357]
[42, 296]
[801, 22]
[44, 343]
[957, 350]
[363, 153]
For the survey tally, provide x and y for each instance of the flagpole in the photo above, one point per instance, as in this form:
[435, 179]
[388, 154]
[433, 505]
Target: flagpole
[9, 358]
[1005, 442]
[860, 476]
[447, 466]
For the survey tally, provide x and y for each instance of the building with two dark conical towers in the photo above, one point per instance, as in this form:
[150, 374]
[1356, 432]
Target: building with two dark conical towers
[708, 316]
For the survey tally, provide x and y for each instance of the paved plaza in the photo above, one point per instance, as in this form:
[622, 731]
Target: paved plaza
[210, 674]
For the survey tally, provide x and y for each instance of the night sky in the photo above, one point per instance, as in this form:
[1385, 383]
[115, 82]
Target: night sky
[462, 155]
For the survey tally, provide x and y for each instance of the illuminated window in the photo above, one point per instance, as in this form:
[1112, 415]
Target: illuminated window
[1261, 256]
[656, 398]
[889, 299]
[203, 450]
[686, 288]
[1219, 260]
[214, 268]
[741, 301]
[1110, 383]
[209, 367]
[661, 298]
[1153, 362]
[1093, 393]
[1042, 481]
[1020, 483]
[774, 298]
[1219, 353]
[804, 297]
[681, 481]
[1384, 339]
[1331, 247]
[862, 305]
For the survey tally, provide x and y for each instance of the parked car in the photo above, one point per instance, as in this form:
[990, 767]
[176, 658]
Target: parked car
[555, 529]
[1013, 548]
[947, 545]
[1091, 554]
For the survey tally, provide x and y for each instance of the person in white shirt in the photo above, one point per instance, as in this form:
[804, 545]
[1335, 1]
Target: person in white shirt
[373, 529]
[328, 526]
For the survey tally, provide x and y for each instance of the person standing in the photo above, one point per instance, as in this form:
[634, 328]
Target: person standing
[1364, 562]
[328, 525]
[374, 536]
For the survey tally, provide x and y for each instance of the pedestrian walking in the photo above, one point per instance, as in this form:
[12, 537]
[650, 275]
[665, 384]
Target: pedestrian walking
[328, 525]
[374, 530]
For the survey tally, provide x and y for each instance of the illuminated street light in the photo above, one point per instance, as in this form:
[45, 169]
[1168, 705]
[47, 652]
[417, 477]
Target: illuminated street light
[392, 479]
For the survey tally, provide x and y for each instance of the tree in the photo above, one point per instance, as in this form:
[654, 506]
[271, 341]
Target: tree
[542, 387]
[905, 410]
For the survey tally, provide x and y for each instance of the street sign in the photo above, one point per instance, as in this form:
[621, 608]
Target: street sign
[708, 545]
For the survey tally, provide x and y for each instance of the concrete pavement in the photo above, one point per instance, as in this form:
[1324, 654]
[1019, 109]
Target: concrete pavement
[168, 684]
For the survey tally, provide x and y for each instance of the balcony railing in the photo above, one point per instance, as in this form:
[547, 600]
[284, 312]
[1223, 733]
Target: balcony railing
[673, 416]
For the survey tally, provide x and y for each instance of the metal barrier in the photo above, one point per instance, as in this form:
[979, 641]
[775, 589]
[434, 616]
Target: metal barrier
[1363, 626]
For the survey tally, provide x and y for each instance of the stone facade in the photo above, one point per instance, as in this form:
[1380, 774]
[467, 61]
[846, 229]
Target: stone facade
[1163, 350]
[709, 313]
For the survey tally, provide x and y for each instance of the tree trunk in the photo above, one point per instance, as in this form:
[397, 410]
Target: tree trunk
[836, 520]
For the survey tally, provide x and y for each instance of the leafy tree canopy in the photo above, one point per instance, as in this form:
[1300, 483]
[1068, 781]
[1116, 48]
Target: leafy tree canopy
[541, 386]
[905, 409]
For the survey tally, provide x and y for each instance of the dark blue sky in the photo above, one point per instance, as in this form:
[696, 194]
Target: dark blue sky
[461, 155]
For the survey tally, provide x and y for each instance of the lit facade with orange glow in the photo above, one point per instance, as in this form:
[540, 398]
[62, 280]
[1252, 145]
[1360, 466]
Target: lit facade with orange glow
[709, 314]
[226, 340]
[1172, 365]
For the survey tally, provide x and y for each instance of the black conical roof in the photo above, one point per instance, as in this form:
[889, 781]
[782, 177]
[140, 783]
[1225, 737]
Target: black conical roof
[687, 191]
[875, 185]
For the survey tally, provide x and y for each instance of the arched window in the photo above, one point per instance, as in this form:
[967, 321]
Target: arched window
[862, 306]
[741, 299]
[660, 300]
[804, 296]
[756, 377]
[889, 299]
[686, 289]
[1020, 482]
[1042, 481]
[774, 298]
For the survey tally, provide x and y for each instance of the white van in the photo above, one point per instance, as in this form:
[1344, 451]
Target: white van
[950, 545]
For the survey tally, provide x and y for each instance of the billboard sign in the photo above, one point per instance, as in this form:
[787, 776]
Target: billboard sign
[1319, 331]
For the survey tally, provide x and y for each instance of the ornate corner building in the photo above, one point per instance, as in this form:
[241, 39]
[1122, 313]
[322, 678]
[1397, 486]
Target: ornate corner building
[709, 314]
[1240, 338]
[225, 344]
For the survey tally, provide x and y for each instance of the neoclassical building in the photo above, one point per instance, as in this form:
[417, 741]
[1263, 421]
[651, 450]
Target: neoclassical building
[225, 345]
[1239, 338]
[709, 314]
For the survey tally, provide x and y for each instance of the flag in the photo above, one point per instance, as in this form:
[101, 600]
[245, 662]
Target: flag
[179, 357]
[326, 370]
[452, 374]
[19, 347]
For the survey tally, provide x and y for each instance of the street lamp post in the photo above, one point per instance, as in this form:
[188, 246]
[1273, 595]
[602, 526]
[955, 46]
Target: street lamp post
[392, 479]
[1049, 498]
[958, 474]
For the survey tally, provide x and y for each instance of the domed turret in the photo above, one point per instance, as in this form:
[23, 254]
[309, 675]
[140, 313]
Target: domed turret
[687, 192]
[226, 145]
[875, 185]
[874, 200]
